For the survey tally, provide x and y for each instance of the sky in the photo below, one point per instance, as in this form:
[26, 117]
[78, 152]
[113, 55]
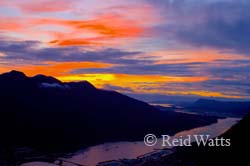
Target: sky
[150, 49]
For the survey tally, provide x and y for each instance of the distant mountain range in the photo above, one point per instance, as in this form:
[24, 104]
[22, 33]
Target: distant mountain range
[46, 114]
[225, 108]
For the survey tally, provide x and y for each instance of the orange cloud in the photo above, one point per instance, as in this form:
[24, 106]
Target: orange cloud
[102, 29]
[55, 68]
[8, 24]
[74, 42]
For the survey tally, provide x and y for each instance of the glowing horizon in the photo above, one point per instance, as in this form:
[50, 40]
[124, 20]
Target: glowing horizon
[143, 47]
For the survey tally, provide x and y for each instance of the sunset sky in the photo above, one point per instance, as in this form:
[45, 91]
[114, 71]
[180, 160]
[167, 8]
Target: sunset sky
[151, 48]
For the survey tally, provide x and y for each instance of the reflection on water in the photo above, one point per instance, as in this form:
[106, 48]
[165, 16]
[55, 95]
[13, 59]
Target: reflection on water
[130, 150]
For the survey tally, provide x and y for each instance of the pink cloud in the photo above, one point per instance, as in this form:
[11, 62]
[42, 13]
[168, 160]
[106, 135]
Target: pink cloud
[41, 6]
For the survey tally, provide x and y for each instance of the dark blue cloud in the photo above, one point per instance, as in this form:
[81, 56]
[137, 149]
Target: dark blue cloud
[221, 24]
[118, 88]
[231, 71]
[182, 69]
[33, 51]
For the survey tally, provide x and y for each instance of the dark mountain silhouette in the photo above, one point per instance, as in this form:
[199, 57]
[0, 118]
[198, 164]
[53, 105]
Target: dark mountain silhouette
[46, 114]
[42, 78]
[227, 108]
